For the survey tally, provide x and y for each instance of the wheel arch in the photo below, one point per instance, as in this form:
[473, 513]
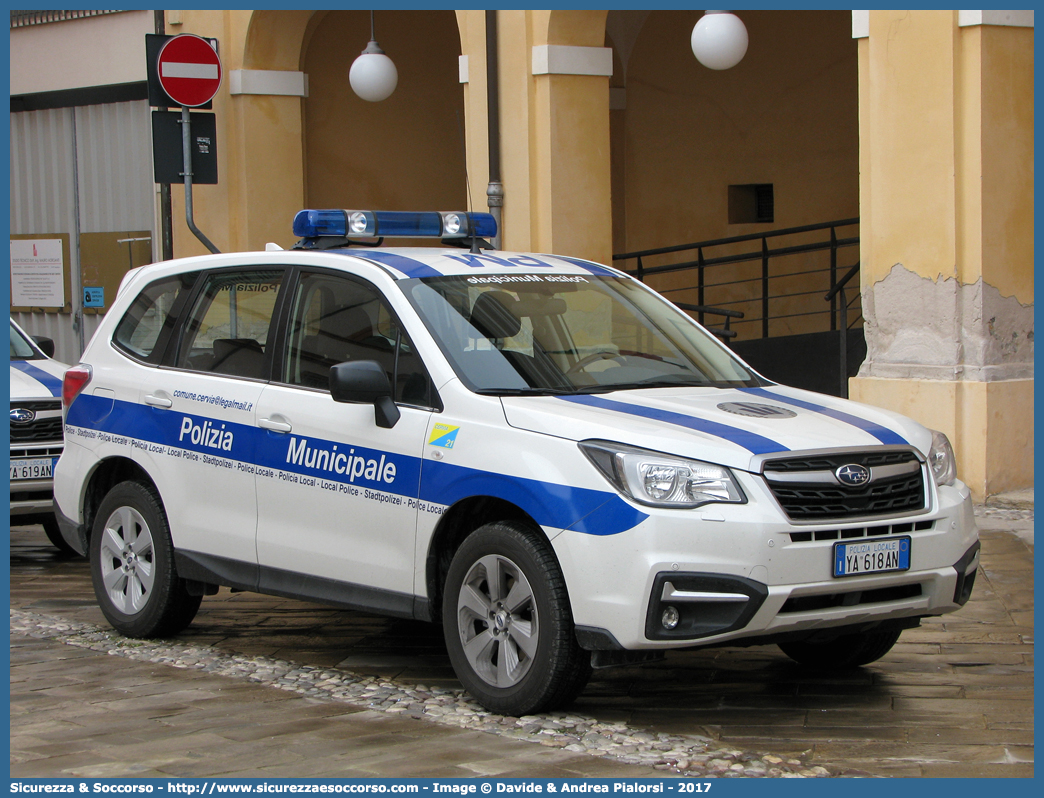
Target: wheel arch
[106, 475]
[459, 521]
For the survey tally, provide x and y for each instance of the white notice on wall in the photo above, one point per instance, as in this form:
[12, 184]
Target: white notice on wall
[37, 273]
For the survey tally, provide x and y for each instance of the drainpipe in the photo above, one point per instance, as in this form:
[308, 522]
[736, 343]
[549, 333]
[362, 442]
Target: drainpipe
[495, 189]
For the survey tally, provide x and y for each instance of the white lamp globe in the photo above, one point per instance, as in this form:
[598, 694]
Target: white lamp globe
[373, 75]
[719, 40]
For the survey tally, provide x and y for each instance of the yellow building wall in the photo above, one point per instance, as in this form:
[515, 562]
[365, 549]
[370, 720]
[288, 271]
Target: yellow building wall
[946, 189]
[1007, 159]
[554, 139]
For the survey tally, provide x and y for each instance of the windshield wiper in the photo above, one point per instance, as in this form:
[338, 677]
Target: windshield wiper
[677, 382]
[525, 391]
[668, 382]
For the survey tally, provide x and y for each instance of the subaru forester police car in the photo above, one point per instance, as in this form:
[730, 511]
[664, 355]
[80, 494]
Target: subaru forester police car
[537, 451]
[36, 432]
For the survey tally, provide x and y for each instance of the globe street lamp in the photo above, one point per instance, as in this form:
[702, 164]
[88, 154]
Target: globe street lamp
[373, 75]
[719, 40]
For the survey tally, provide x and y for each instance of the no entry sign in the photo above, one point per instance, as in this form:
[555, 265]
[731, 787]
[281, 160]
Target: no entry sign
[189, 70]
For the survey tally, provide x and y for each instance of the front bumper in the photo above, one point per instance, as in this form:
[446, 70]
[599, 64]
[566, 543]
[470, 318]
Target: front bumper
[34, 497]
[733, 573]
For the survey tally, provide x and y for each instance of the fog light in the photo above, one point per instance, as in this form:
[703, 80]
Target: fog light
[670, 618]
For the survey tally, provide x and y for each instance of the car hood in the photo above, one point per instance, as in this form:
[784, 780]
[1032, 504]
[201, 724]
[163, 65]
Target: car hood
[728, 426]
[36, 379]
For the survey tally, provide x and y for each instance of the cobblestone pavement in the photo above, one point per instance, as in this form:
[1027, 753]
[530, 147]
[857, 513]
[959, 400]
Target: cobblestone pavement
[264, 686]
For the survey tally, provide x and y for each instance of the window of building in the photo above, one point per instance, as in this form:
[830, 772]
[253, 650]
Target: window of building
[752, 203]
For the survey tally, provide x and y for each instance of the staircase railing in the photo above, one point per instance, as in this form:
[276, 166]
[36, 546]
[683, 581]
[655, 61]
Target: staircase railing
[834, 294]
[724, 332]
[765, 253]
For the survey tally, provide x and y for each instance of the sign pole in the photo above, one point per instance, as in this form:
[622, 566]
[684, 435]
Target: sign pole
[189, 72]
[186, 154]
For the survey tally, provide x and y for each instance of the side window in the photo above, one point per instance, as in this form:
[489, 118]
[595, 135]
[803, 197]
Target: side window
[151, 317]
[228, 329]
[335, 319]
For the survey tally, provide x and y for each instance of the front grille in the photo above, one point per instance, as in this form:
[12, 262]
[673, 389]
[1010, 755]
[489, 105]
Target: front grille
[48, 429]
[807, 491]
[36, 451]
[831, 462]
[860, 532]
[47, 426]
[31, 495]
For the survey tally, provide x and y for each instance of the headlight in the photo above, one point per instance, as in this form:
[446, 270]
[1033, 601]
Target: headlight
[941, 459]
[661, 480]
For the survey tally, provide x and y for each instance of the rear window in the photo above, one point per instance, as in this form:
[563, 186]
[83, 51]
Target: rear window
[227, 331]
[147, 324]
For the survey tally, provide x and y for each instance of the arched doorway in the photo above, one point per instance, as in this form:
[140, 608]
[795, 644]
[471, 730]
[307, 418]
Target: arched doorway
[405, 153]
[685, 138]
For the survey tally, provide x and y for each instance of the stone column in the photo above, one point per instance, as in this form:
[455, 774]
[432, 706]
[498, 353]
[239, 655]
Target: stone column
[946, 210]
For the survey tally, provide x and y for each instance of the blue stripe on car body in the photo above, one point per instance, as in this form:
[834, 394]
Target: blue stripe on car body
[883, 434]
[408, 266]
[592, 512]
[49, 381]
[752, 442]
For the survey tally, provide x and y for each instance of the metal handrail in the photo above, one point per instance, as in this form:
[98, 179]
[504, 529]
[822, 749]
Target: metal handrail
[764, 254]
[722, 332]
[786, 231]
[836, 296]
[839, 288]
[842, 283]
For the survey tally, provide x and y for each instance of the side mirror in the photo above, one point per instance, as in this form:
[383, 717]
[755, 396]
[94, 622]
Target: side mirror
[46, 345]
[365, 382]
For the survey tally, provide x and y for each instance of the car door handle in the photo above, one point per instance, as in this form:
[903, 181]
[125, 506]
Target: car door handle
[274, 424]
[158, 400]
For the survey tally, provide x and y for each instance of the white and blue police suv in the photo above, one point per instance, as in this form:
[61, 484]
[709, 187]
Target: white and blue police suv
[36, 432]
[538, 452]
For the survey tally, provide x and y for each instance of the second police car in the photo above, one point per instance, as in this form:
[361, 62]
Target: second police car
[36, 432]
[537, 451]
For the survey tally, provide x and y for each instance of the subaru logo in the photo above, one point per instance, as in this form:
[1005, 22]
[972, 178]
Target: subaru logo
[22, 415]
[853, 475]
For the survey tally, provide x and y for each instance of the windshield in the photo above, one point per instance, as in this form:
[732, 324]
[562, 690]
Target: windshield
[20, 348]
[533, 333]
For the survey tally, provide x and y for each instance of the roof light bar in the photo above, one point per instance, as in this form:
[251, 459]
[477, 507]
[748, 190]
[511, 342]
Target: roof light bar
[393, 224]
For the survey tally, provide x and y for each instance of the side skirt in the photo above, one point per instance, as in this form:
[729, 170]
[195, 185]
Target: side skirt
[240, 575]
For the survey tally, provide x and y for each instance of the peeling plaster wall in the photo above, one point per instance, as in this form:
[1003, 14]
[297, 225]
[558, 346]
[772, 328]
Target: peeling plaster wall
[917, 328]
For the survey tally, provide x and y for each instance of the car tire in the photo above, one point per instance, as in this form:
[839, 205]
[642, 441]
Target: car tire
[132, 565]
[54, 534]
[511, 639]
[846, 651]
